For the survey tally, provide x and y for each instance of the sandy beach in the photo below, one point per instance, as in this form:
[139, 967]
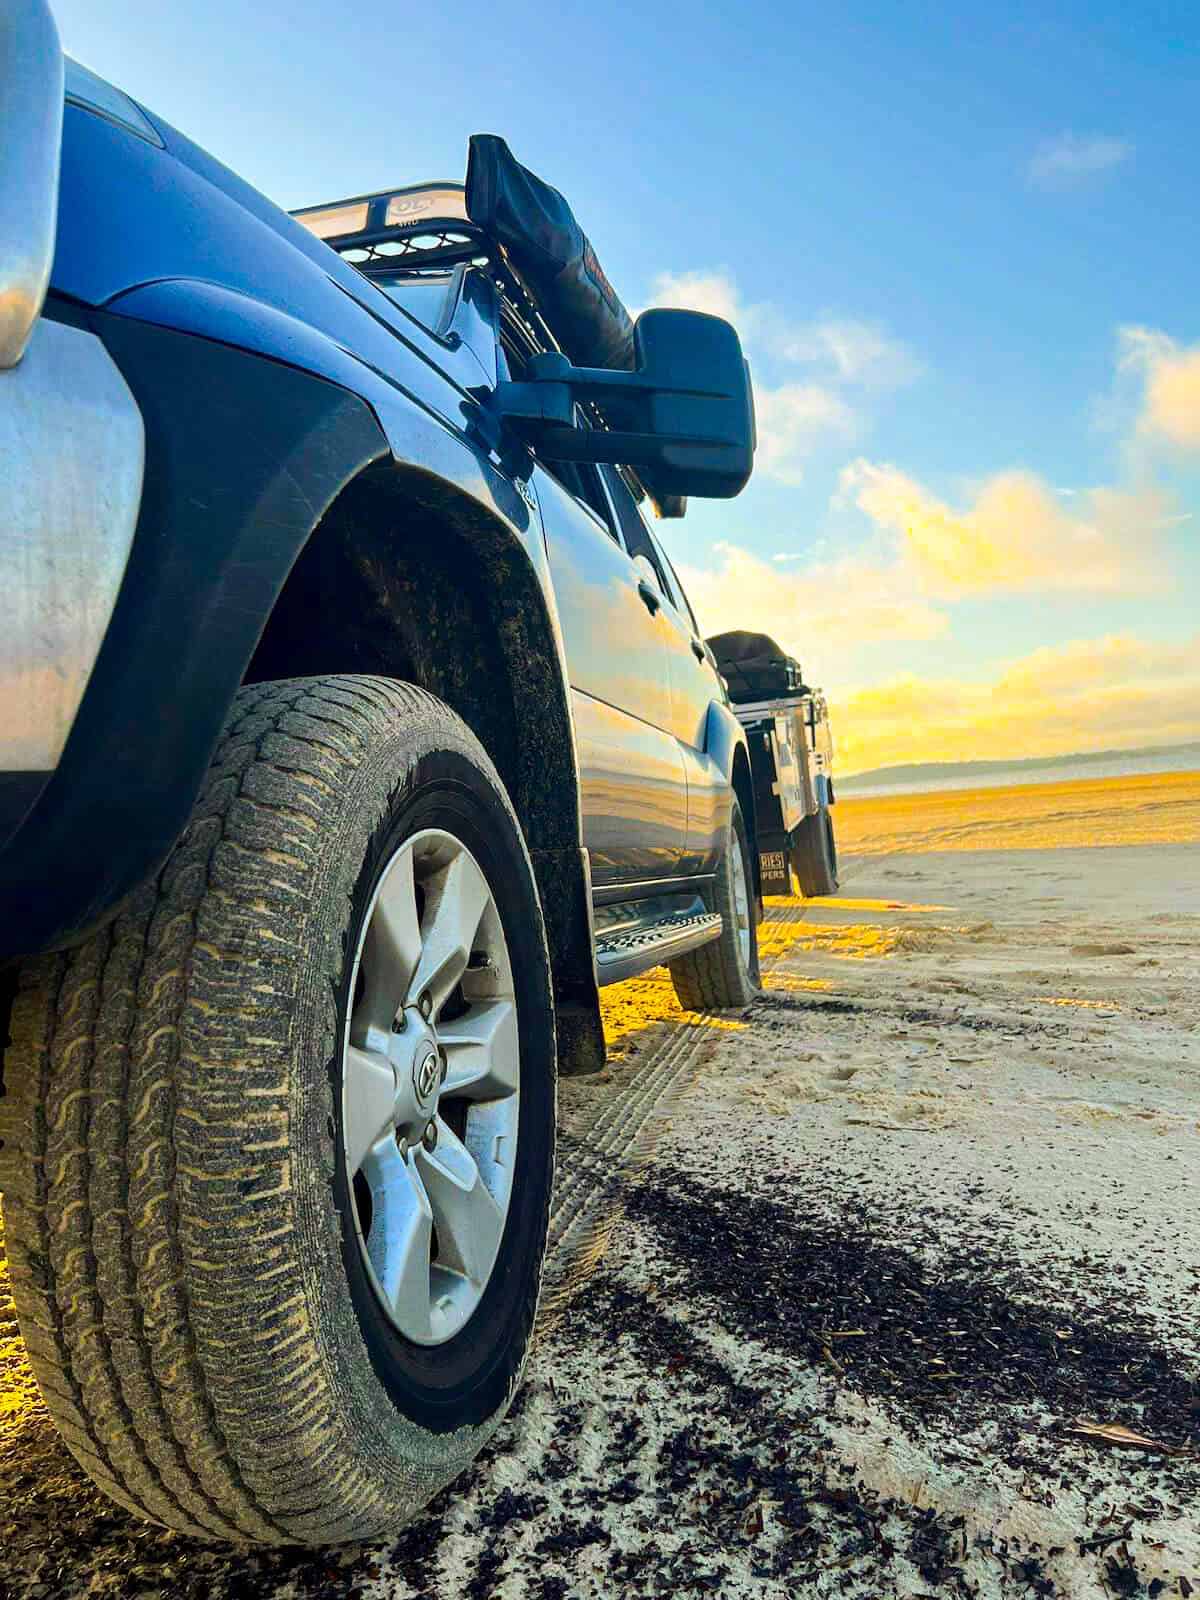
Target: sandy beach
[892, 1286]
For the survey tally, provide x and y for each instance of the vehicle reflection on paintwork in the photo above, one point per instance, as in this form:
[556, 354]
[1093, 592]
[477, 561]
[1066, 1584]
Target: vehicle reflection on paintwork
[694, 688]
[633, 786]
[632, 793]
[617, 650]
[707, 812]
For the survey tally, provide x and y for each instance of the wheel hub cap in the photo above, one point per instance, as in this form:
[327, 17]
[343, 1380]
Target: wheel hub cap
[431, 1087]
[426, 1073]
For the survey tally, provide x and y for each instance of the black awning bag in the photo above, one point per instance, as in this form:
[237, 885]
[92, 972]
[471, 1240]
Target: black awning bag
[551, 251]
[541, 237]
[755, 667]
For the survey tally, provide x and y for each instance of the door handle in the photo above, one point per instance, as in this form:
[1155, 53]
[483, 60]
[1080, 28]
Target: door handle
[649, 595]
[698, 650]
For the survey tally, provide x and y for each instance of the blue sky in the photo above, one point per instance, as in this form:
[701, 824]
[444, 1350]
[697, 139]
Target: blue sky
[932, 225]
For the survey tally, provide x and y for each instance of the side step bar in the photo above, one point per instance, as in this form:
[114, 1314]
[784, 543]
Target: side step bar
[624, 955]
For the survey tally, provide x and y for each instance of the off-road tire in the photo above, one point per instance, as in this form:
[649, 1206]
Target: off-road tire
[814, 855]
[716, 977]
[170, 1158]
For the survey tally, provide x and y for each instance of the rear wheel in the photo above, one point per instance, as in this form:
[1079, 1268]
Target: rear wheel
[723, 975]
[278, 1144]
[814, 855]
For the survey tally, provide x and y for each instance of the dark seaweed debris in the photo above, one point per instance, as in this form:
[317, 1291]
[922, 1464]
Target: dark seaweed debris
[508, 1507]
[742, 1475]
[966, 1339]
[1010, 1027]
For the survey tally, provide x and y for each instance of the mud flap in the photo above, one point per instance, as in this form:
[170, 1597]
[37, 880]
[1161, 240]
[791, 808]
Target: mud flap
[774, 864]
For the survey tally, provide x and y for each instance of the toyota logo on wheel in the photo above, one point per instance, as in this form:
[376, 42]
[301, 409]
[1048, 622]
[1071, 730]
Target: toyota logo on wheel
[425, 1074]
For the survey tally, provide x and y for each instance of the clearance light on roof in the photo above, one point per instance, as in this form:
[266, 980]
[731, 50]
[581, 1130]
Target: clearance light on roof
[423, 208]
[332, 221]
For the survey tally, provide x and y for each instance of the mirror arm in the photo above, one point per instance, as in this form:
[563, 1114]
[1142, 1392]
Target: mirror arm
[549, 394]
[563, 442]
[591, 381]
[545, 404]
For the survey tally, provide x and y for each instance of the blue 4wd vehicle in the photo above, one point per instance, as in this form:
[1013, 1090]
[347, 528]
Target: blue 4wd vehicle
[353, 727]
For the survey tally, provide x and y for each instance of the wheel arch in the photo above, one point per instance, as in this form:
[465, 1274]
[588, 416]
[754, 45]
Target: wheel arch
[725, 742]
[743, 788]
[406, 576]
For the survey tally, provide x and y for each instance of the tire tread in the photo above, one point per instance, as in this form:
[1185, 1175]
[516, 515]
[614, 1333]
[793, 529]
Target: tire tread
[130, 1112]
[712, 978]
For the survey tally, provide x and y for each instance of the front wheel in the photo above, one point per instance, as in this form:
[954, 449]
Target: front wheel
[278, 1144]
[723, 975]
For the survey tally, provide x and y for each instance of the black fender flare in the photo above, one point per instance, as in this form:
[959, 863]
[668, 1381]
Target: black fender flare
[725, 741]
[724, 736]
[243, 457]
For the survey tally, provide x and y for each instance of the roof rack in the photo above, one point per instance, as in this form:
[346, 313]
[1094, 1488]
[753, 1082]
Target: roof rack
[421, 229]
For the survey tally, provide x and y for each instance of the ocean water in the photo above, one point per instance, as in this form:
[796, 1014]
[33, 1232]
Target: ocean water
[1116, 764]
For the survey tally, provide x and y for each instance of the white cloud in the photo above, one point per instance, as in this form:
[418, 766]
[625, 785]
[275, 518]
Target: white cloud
[856, 352]
[819, 611]
[1087, 694]
[711, 292]
[845, 349]
[1170, 375]
[795, 420]
[1071, 158]
[809, 410]
[1015, 537]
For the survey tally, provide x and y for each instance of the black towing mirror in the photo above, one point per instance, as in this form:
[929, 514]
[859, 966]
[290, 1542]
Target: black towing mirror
[687, 410]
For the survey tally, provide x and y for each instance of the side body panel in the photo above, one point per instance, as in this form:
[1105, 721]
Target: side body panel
[633, 791]
[270, 376]
[243, 456]
[694, 692]
[694, 688]
[133, 213]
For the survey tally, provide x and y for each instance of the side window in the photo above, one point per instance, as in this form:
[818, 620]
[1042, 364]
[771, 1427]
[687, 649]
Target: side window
[633, 530]
[578, 478]
[684, 603]
[589, 490]
[426, 299]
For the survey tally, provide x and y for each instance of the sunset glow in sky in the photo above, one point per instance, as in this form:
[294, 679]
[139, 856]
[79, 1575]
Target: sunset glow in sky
[959, 244]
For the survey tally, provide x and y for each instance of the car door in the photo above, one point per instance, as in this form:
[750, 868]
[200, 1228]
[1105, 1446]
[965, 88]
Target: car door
[695, 685]
[633, 784]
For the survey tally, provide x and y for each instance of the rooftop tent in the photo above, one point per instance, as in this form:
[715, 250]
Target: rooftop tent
[755, 667]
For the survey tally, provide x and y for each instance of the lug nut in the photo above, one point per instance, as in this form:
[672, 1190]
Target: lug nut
[429, 1137]
[425, 1006]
